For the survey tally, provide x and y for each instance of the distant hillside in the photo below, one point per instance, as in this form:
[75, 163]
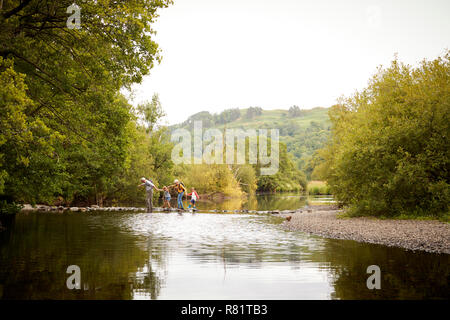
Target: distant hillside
[303, 131]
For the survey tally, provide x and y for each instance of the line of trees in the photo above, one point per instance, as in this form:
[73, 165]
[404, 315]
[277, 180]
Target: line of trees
[294, 112]
[209, 120]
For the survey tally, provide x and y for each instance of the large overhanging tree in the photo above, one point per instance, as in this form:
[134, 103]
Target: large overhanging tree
[63, 119]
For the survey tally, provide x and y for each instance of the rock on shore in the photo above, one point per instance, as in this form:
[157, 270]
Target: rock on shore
[424, 235]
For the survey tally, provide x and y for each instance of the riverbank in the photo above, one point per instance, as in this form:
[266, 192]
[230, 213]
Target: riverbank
[424, 235]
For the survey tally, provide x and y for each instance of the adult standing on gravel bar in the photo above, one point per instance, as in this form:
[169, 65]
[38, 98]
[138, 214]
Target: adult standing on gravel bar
[149, 185]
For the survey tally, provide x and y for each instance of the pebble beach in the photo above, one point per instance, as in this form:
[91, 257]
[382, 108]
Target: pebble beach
[424, 235]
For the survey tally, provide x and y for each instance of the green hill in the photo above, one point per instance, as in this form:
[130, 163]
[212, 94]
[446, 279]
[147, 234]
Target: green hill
[303, 131]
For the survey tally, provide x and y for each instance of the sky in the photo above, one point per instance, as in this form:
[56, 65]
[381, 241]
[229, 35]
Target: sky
[220, 54]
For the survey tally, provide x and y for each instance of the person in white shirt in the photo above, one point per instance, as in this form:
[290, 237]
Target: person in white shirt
[149, 186]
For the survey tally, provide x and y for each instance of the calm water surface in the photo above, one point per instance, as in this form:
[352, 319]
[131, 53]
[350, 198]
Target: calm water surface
[126, 255]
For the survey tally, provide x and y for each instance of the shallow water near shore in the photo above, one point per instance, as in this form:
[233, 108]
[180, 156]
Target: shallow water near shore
[130, 255]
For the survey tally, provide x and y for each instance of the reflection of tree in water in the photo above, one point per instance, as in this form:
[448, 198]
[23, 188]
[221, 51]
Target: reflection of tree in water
[148, 281]
[227, 204]
[279, 202]
[34, 260]
[404, 274]
[255, 202]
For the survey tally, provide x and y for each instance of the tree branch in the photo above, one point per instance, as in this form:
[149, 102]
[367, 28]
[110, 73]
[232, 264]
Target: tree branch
[16, 9]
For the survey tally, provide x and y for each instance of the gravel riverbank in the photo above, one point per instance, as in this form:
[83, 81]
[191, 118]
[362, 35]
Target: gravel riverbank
[424, 235]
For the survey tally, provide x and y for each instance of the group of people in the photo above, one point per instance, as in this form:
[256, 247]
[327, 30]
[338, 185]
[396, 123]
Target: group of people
[179, 188]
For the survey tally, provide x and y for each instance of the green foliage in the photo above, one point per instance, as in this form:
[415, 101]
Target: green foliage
[245, 175]
[25, 142]
[253, 112]
[9, 208]
[151, 112]
[288, 177]
[227, 116]
[209, 179]
[294, 111]
[389, 153]
[318, 188]
[302, 136]
[66, 131]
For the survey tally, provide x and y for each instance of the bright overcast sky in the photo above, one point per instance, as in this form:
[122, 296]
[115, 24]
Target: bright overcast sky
[220, 54]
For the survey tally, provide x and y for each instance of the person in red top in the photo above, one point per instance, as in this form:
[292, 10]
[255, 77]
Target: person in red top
[194, 197]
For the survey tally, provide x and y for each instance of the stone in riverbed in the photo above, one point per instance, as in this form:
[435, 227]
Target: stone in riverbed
[28, 207]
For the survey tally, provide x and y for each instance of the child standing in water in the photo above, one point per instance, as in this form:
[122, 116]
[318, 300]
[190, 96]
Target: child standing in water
[194, 197]
[167, 198]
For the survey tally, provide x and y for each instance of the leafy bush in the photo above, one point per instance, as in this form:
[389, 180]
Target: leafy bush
[209, 179]
[9, 208]
[318, 188]
[390, 149]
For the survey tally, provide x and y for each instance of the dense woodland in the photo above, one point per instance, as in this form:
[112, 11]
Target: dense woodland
[68, 135]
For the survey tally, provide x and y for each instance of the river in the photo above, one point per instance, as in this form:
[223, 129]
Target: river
[130, 255]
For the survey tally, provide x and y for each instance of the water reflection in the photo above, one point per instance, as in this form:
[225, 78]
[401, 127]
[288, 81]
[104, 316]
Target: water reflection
[283, 201]
[202, 256]
[35, 258]
[405, 274]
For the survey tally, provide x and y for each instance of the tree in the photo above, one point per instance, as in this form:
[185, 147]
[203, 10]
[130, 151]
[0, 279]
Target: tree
[389, 152]
[227, 116]
[151, 112]
[287, 178]
[245, 175]
[24, 142]
[205, 117]
[294, 111]
[72, 115]
[253, 112]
